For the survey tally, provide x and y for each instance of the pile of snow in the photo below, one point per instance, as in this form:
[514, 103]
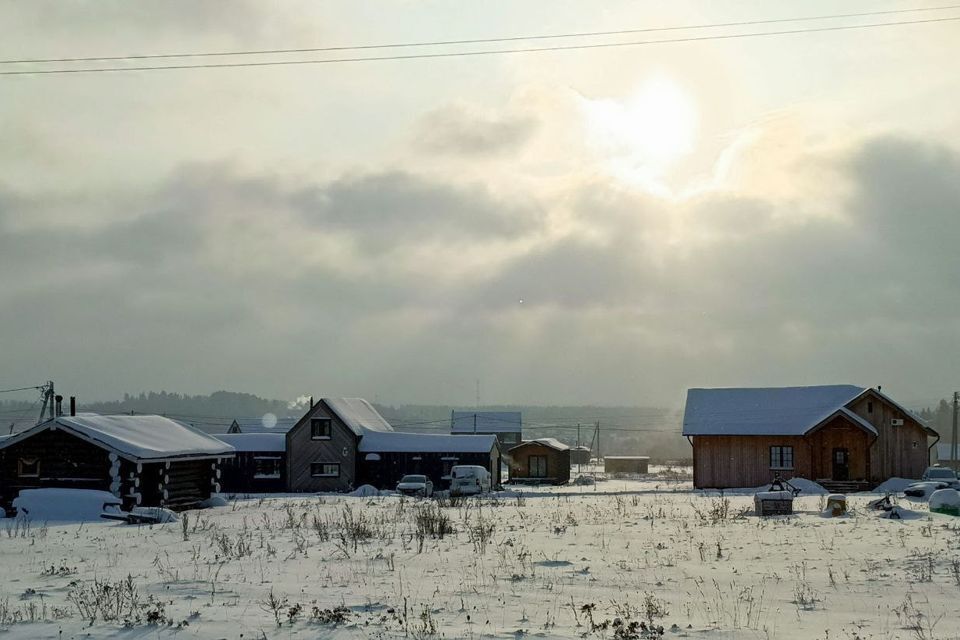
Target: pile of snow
[806, 487]
[899, 513]
[64, 505]
[945, 500]
[773, 495]
[365, 491]
[922, 490]
[214, 501]
[894, 485]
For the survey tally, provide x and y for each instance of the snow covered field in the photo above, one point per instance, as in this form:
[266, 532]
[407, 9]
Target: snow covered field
[541, 562]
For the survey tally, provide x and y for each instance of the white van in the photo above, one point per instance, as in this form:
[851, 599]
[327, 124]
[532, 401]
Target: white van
[468, 479]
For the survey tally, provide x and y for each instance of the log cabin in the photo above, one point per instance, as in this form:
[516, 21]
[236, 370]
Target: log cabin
[844, 437]
[144, 460]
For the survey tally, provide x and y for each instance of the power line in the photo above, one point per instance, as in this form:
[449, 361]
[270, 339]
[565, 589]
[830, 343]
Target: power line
[20, 389]
[435, 43]
[457, 54]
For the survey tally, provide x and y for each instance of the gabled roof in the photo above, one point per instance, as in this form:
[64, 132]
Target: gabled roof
[486, 422]
[259, 425]
[785, 411]
[393, 441]
[255, 442]
[552, 443]
[358, 414]
[134, 437]
[904, 410]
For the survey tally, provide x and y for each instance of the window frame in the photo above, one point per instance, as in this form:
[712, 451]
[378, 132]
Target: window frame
[278, 463]
[545, 467]
[320, 421]
[324, 463]
[20, 465]
[780, 454]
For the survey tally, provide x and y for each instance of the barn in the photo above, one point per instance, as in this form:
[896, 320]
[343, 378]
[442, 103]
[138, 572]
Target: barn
[540, 461]
[260, 463]
[143, 460]
[844, 437]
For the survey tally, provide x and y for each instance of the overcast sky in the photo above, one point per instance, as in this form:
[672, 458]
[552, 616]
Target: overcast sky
[606, 226]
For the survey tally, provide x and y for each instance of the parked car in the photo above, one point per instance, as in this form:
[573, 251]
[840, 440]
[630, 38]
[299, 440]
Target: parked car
[415, 485]
[940, 474]
[469, 479]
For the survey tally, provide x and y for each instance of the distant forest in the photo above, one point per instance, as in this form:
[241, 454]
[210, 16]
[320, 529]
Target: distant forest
[623, 430]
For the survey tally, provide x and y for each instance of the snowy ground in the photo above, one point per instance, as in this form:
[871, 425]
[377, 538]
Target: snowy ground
[537, 562]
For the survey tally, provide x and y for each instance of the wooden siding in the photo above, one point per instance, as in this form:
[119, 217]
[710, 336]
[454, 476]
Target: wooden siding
[839, 433]
[302, 450]
[900, 452]
[558, 462]
[722, 462]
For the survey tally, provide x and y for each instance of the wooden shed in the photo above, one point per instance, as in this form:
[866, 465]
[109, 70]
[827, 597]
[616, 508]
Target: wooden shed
[842, 436]
[541, 461]
[260, 463]
[626, 464]
[143, 460]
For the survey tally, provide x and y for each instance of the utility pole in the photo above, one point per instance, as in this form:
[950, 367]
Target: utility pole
[48, 398]
[599, 455]
[478, 395]
[953, 441]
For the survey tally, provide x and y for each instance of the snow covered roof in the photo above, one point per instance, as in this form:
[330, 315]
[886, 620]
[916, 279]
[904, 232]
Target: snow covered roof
[261, 425]
[358, 414]
[553, 443]
[134, 437]
[764, 411]
[394, 441]
[252, 442]
[486, 422]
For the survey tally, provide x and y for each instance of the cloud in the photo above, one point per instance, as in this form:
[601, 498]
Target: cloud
[463, 131]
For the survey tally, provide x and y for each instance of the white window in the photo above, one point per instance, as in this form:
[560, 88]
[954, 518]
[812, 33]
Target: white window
[267, 467]
[325, 469]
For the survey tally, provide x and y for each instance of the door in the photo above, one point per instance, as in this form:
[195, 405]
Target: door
[538, 466]
[841, 464]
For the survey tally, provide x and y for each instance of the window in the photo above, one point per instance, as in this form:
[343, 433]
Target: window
[781, 457]
[869, 406]
[320, 428]
[28, 467]
[537, 466]
[325, 469]
[267, 467]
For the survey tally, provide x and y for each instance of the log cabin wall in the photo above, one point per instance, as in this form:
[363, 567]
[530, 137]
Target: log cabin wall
[64, 461]
[723, 462]
[303, 450]
[899, 452]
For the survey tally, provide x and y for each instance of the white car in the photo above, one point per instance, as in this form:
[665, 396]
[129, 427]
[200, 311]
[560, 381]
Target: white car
[940, 474]
[469, 479]
[415, 485]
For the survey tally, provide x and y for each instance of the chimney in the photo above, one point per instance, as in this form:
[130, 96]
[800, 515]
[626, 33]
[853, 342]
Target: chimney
[73, 405]
[59, 405]
[311, 402]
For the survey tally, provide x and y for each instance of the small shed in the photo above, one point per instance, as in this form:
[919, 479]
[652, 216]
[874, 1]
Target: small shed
[144, 460]
[540, 461]
[626, 464]
[260, 463]
[580, 455]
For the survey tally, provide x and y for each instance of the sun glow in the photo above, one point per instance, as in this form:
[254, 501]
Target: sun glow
[647, 133]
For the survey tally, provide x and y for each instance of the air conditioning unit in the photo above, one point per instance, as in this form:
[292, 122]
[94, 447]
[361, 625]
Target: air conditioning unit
[897, 422]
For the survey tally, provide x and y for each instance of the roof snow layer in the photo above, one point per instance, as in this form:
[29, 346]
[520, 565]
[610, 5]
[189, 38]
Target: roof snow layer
[784, 411]
[135, 437]
[256, 425]
[358, 414]
[393, 441]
